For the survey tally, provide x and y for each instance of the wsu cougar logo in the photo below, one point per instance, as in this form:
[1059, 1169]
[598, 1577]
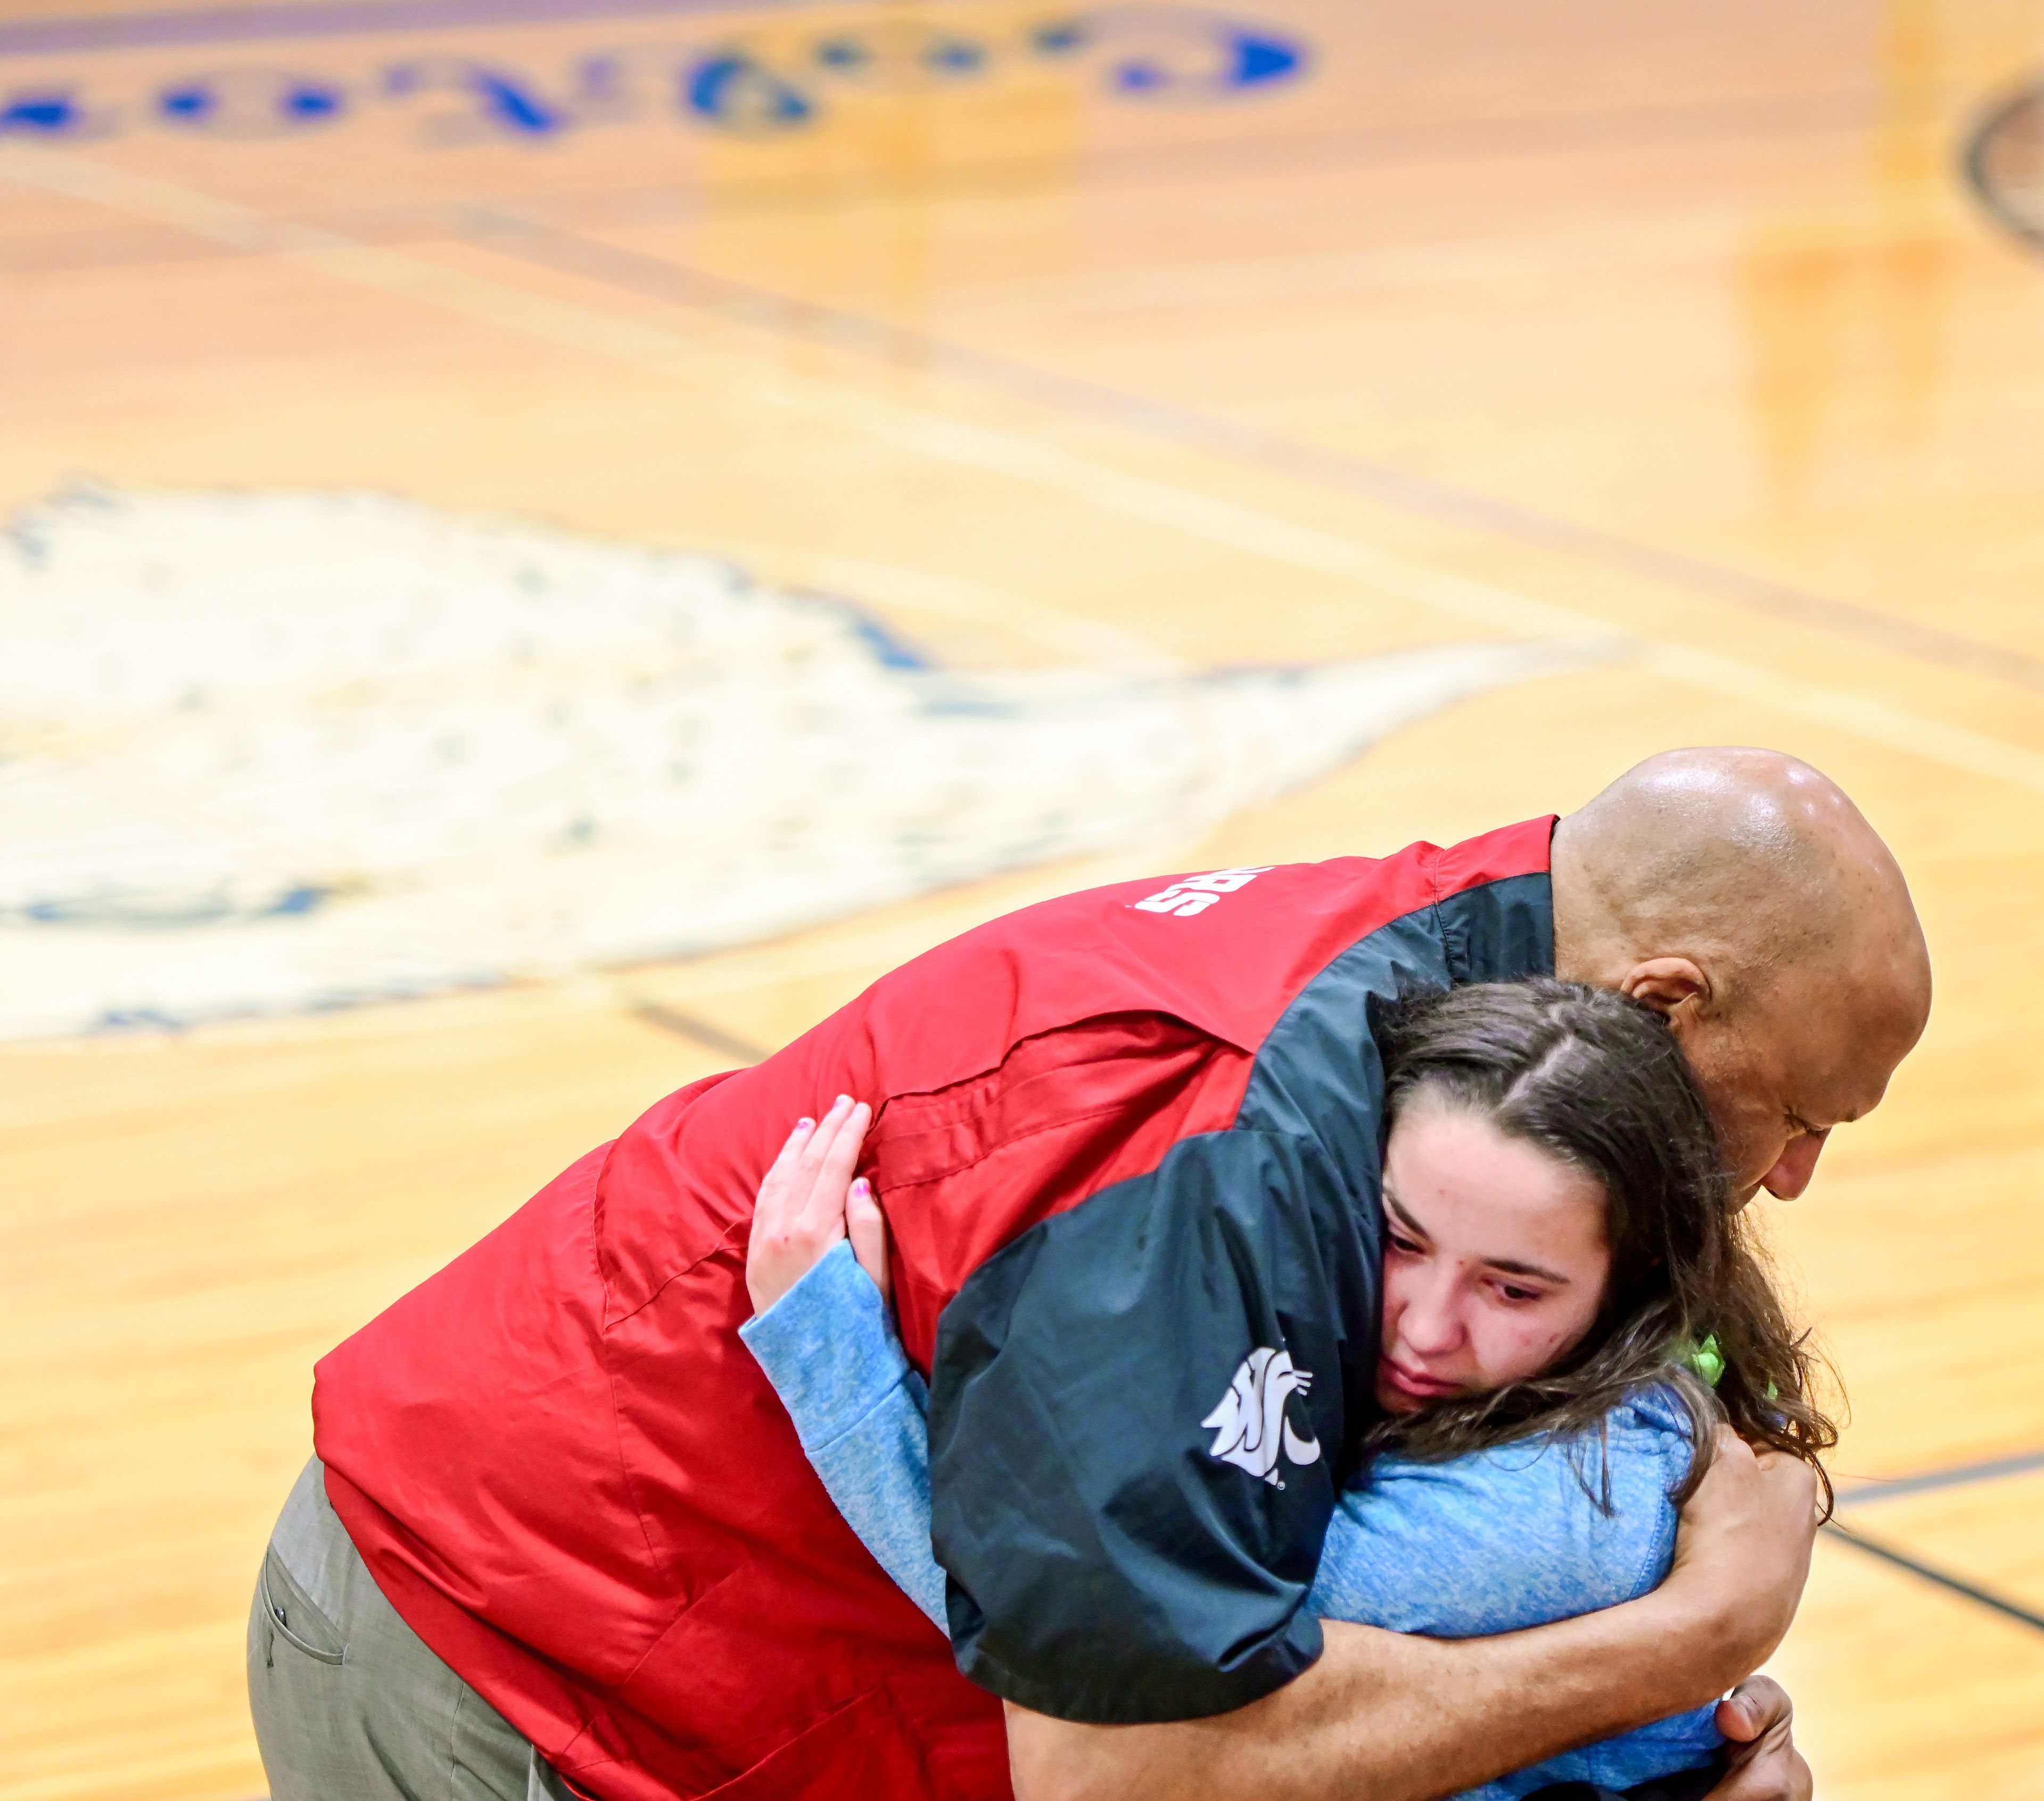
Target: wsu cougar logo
[1250, 1425]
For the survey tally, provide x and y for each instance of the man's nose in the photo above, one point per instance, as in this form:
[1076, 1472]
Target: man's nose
[1794, 1168]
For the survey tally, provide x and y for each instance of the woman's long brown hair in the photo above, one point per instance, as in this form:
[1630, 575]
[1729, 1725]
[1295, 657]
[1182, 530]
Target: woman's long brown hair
[1595, 1079]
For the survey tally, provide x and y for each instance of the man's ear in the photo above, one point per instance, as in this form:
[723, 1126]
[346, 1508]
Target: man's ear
[1664, 983]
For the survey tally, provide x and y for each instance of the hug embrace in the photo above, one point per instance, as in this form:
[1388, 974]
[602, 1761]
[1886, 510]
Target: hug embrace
[1286, 1332]
[1571, 1313]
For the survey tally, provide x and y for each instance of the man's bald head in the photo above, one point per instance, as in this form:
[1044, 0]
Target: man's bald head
[1741, 893]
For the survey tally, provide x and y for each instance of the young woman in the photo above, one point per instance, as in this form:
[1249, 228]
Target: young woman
[1570, 1310]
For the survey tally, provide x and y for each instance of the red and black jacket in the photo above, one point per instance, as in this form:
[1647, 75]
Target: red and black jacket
[1128, 1142]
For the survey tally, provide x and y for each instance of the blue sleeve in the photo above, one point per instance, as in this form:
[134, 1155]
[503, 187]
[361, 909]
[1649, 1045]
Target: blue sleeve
[828, 1347]
[1516, 1536]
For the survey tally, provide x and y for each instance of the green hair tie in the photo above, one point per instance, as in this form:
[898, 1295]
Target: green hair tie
[1706, 1360]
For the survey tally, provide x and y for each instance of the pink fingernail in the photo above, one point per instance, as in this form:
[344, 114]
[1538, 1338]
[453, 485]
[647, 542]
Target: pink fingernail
[805, 1126]
[862, 1188]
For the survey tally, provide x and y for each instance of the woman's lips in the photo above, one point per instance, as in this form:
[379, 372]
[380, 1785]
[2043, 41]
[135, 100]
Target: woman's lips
[1414, 1383]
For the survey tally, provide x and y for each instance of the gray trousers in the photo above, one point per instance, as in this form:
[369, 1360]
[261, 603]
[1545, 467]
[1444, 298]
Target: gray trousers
[349, 1703]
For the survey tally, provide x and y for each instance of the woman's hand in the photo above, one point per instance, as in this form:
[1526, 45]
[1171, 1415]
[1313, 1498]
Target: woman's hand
[867, 1227]
[807, 1202]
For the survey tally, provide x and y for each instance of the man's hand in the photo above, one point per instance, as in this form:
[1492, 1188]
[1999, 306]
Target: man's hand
[801, 1211]
[1765, 1766]
[1403, 1718]
[1743, 1554]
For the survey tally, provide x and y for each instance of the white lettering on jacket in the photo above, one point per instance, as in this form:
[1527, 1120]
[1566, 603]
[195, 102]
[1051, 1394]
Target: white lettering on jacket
[1196, 893]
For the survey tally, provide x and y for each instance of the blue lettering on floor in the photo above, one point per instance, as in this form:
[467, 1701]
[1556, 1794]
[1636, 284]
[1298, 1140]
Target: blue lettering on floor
[251, 103]
[1162, 53]
[47, 113]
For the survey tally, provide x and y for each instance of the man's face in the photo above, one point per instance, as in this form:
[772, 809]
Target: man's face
[1780, 1077]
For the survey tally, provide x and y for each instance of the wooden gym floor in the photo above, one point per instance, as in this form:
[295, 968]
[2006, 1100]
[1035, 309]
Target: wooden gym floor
[1678, 328]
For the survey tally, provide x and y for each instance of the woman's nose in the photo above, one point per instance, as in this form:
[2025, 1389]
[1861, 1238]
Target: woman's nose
[1430, 1326]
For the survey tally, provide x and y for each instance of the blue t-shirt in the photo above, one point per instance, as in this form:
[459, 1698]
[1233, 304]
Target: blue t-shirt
[1490, 1542]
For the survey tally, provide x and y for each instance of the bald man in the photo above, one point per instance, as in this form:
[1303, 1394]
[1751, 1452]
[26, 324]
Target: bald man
[1128, 1145]
[1740, 893]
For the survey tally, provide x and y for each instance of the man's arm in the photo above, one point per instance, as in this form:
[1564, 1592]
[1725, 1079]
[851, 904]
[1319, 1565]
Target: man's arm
[1390, 1717]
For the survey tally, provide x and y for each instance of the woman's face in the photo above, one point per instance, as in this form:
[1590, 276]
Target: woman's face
[1494, 1257]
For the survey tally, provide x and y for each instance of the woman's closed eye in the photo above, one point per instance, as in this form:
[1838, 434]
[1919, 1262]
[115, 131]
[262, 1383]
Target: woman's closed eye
[1514, 1294]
